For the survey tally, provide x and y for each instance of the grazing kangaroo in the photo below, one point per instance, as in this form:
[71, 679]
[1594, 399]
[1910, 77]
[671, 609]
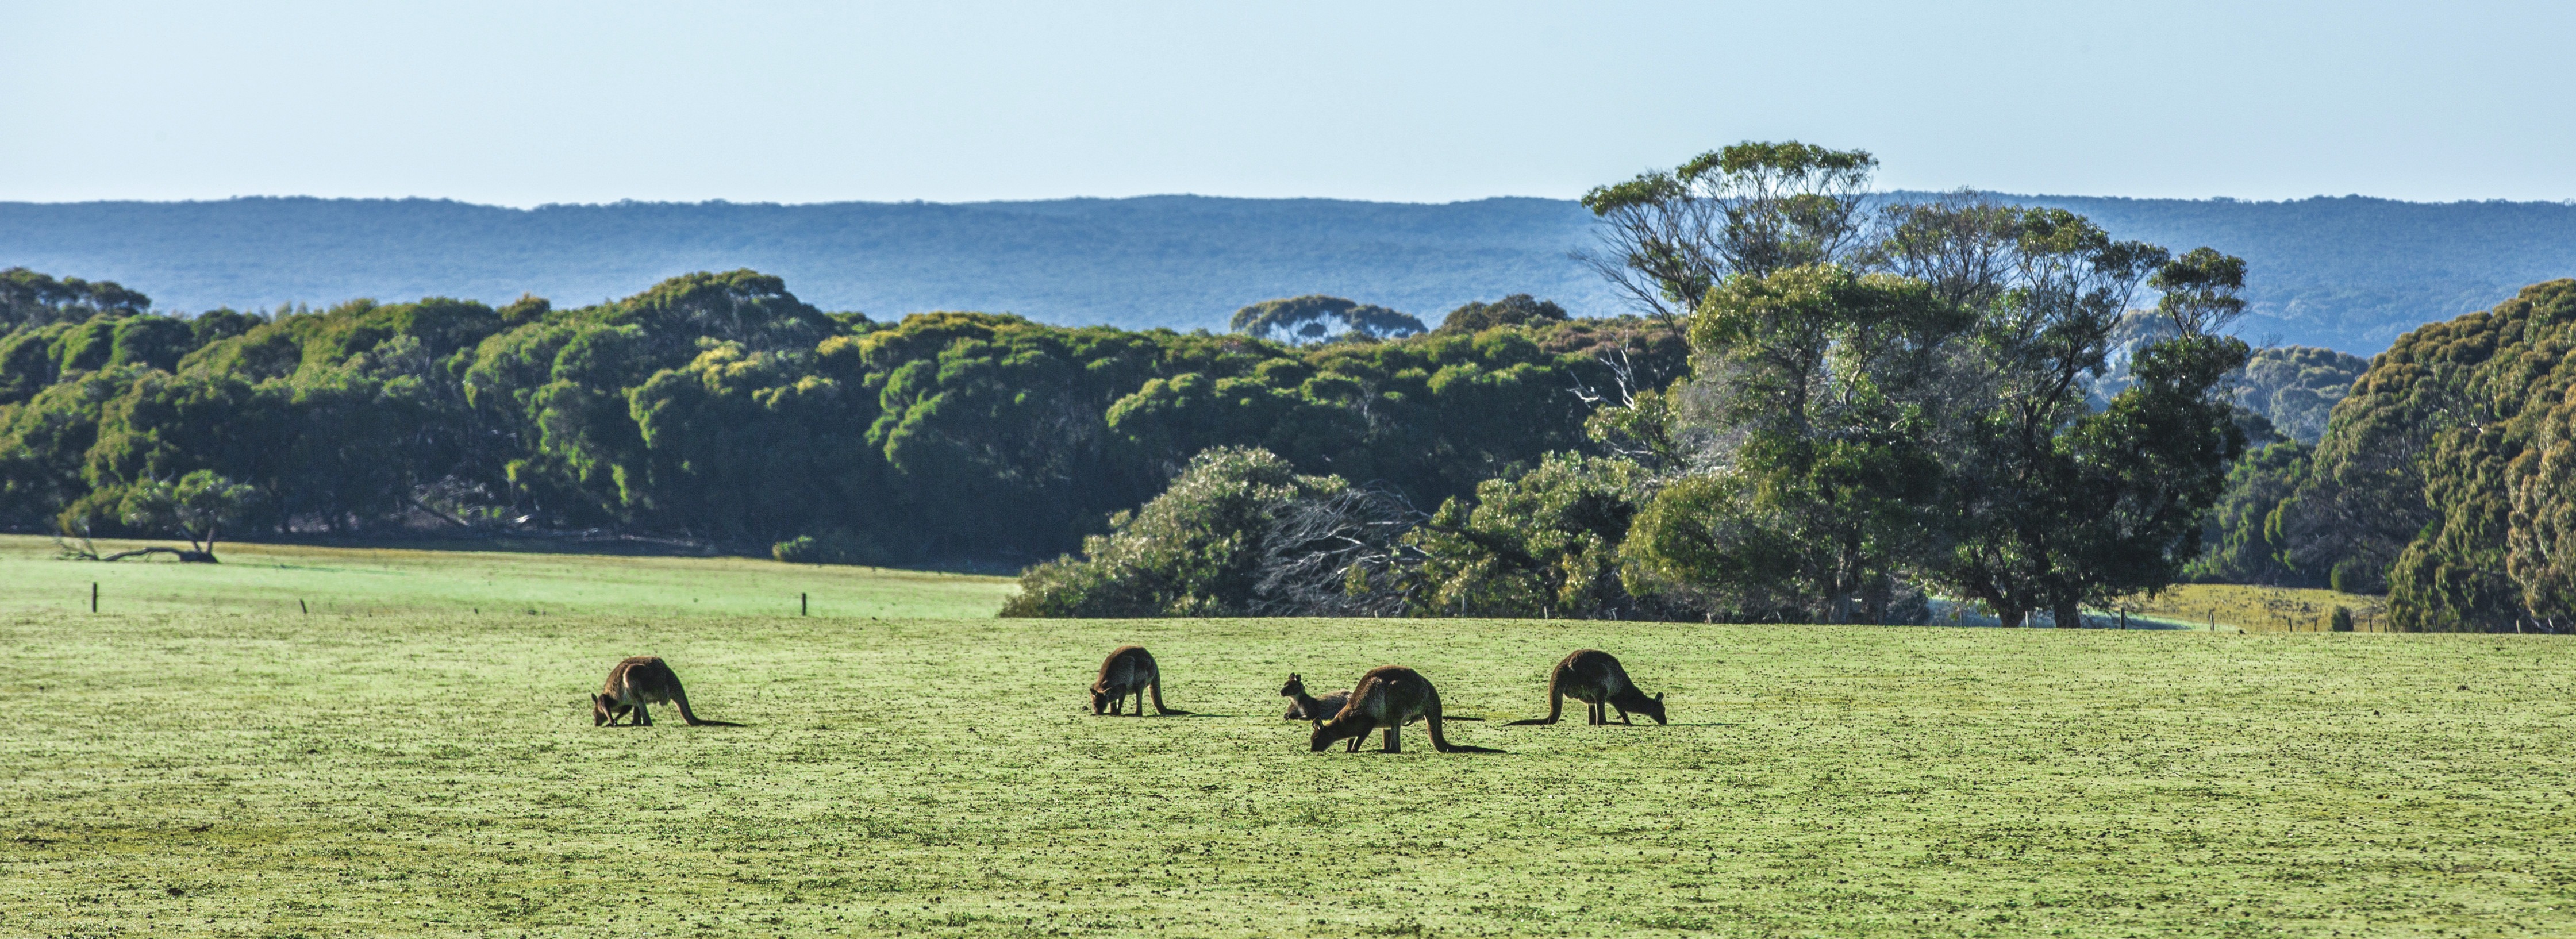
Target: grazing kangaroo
[1388, 697]
[1128, 671]
[1305, 707]
[635, 682]
[1594, 677]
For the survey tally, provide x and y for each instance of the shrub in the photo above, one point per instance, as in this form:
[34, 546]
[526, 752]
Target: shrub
[1195, 550]
[835, 546]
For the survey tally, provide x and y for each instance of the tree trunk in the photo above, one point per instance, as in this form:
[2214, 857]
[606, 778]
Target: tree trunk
[2069, 615]
[184, 556]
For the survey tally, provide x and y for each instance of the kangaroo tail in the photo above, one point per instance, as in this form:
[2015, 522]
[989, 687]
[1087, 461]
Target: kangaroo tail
[1440, 741]
[1555, 701]
[680, 697]
[1156, 687]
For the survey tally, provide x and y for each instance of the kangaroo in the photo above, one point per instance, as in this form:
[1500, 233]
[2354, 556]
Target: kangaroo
[1388, 697]
[1594, 677]
[635, 682]
[1128, 671]
[1305, 707]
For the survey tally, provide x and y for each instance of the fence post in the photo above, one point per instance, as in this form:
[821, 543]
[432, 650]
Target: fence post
[93, 596]
[800, 605]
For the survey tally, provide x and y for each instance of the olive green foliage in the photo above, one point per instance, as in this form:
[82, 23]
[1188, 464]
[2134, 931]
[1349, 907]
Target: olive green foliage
[1310, 319]
[1195, 550]
[1519, 309]
[1828, 473]
[198, 507]
[1915, 398]
[2448, 469]
[1544, 543]
[29, 298]
[2297, 387]
[1669, 237]
[397, 765]
[51, 327]
[719, 407]
[2247, 536]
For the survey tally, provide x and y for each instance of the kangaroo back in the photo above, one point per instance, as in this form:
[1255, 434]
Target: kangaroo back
[1575, 676]
[639, 681]
[1129, 670]
[1597, 679]
[1386, 698]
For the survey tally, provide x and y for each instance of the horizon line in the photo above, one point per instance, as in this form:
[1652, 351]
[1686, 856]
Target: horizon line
[627, 203]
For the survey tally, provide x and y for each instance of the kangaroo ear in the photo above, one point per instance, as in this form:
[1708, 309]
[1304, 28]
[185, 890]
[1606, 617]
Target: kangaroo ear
[1659, 697]
[1292, 676]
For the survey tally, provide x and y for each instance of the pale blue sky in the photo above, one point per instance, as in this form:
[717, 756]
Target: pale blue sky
[521, 103]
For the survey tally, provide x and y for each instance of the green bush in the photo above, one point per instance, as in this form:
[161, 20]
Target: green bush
[2354, 575]
[836, 546]
[1195, 550]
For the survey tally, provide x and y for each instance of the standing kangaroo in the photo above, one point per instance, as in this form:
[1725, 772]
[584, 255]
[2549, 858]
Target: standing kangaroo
[1128, 671]
[1305, 707]
[635, 682]
[1594, 677]
[1388, 697]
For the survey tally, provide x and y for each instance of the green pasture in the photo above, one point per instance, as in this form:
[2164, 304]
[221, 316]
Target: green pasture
[257, 580]
[393, 765]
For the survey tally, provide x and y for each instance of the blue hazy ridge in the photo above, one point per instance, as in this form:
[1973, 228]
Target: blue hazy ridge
[2351, 272]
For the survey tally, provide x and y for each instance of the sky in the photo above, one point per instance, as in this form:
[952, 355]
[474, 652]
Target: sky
[524, 103]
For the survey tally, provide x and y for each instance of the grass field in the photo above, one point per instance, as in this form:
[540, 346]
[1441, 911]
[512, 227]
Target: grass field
[408, 768]
[2265, 609]
[258, 580]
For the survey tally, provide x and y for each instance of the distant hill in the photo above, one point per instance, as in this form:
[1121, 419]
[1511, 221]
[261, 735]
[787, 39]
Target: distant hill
[2348, 273]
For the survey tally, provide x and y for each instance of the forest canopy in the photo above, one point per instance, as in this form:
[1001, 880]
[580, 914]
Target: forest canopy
[721, 408]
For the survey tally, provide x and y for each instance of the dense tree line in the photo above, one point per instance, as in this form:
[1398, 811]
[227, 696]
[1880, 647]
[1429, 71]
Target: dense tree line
[2446, 477]
[1883, 403]
[721, 408]
[1953, 397]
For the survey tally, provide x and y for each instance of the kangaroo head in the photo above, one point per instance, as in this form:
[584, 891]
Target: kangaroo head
[1296, 686]
[599, 713]
[1100, 701]
[1655, 707]
[1325, 735]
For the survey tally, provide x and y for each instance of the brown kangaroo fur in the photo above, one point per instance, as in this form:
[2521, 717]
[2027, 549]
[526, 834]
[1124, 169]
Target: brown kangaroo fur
[1305, 707]
[635, 682]
[1387, 698]
[1128, 671]
[1594, 677]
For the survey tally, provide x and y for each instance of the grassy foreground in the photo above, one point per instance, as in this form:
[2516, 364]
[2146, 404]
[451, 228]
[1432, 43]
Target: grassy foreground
[210, 771]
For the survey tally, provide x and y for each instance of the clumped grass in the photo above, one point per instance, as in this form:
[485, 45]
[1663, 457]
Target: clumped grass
[211, 772]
